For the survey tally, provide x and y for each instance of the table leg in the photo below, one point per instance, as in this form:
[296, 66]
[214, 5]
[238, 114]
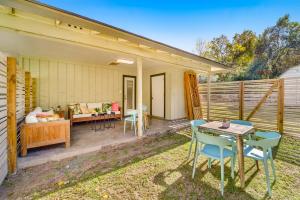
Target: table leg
[240, 152]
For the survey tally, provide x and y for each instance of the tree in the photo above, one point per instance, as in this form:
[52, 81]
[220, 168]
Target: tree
[251, 57]
[278, 47]
[242, 52]
[219, 50]
[236, 54]
[201, 47]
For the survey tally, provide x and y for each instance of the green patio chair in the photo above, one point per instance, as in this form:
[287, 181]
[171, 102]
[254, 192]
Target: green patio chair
[261, 150]
[132, 118]
[214, 147]
[240, 122]
[194, 127]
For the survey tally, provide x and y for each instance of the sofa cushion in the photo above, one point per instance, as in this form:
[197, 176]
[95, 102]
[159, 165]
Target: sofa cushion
[82, 115]
[94, 105]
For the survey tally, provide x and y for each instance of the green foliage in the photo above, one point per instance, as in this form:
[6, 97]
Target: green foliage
[278, 47]
[251, 57]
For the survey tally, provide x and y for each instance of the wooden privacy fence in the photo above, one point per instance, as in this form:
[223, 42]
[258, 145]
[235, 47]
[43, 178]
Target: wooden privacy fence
[12, 111]
[272, 104]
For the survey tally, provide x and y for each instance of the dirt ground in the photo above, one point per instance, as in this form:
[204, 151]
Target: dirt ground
[53, 175]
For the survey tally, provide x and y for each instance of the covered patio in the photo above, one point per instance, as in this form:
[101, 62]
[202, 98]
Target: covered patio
[86, 140]
[70, 59]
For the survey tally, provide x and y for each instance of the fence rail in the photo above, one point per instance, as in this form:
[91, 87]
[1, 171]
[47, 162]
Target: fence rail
[272, 104]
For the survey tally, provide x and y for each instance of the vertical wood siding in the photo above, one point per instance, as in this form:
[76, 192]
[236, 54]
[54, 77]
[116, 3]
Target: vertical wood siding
[20, 101]
[3, 118]
[62, 83]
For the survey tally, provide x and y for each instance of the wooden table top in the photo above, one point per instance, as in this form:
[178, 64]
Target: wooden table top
[234, 129]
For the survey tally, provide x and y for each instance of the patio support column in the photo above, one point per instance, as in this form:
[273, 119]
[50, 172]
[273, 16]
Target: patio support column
[140, 95]
[208, 94]
[11, 115]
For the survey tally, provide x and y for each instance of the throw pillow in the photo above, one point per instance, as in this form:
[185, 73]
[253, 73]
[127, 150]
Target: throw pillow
[106, 107]
[84, 109]
[115, 107]
[76, 109]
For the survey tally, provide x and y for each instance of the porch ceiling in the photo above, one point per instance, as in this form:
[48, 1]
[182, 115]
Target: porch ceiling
[34, 46]
[63, 16]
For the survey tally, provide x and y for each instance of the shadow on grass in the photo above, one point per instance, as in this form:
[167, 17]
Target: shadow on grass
[201, 187]
[288, 150]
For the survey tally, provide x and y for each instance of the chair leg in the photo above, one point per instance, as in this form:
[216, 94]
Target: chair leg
[232, 166]
[209, 163]
[190, 148]
[222, 176]
[124, 127]
[192, 142]
[267, 175]
[256, 163]
[134, 128]
[273, 166]
[195, 160]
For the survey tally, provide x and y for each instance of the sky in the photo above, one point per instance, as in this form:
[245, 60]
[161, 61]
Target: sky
[182, 23]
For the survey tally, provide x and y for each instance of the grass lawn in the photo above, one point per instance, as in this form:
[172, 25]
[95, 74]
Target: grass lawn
[156, 168]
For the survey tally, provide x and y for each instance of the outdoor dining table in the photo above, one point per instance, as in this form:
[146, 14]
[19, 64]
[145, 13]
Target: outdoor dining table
[234, 130]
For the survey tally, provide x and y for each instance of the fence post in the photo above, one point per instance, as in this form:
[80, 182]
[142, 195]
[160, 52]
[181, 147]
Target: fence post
[280, 111]
[241, 101]
[11, 115]
[208, 95]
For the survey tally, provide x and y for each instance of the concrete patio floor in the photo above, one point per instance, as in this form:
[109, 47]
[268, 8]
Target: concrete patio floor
[85, 140]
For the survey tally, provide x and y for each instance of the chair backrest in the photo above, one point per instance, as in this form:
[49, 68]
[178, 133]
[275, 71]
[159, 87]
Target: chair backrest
[271, 139]
[145, 108]
[211, 139]
[132, 114]
[241, 122]
[196, 123]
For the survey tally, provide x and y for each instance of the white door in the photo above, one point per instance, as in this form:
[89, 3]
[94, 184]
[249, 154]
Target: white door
[158, 95]
[129, 93]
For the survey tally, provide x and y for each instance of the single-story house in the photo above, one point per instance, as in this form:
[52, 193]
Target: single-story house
[292, 75]
[77, 59]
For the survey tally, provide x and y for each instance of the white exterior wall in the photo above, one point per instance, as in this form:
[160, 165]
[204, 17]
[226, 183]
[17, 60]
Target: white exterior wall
[61, 82]
[175, 103]
[3, 117]
[64, 82]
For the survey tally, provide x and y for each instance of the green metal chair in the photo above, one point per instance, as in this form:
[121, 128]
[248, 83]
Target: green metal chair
[240, 122]
[214, 147]
[194, 127]
[132, 118]
[261, 150]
